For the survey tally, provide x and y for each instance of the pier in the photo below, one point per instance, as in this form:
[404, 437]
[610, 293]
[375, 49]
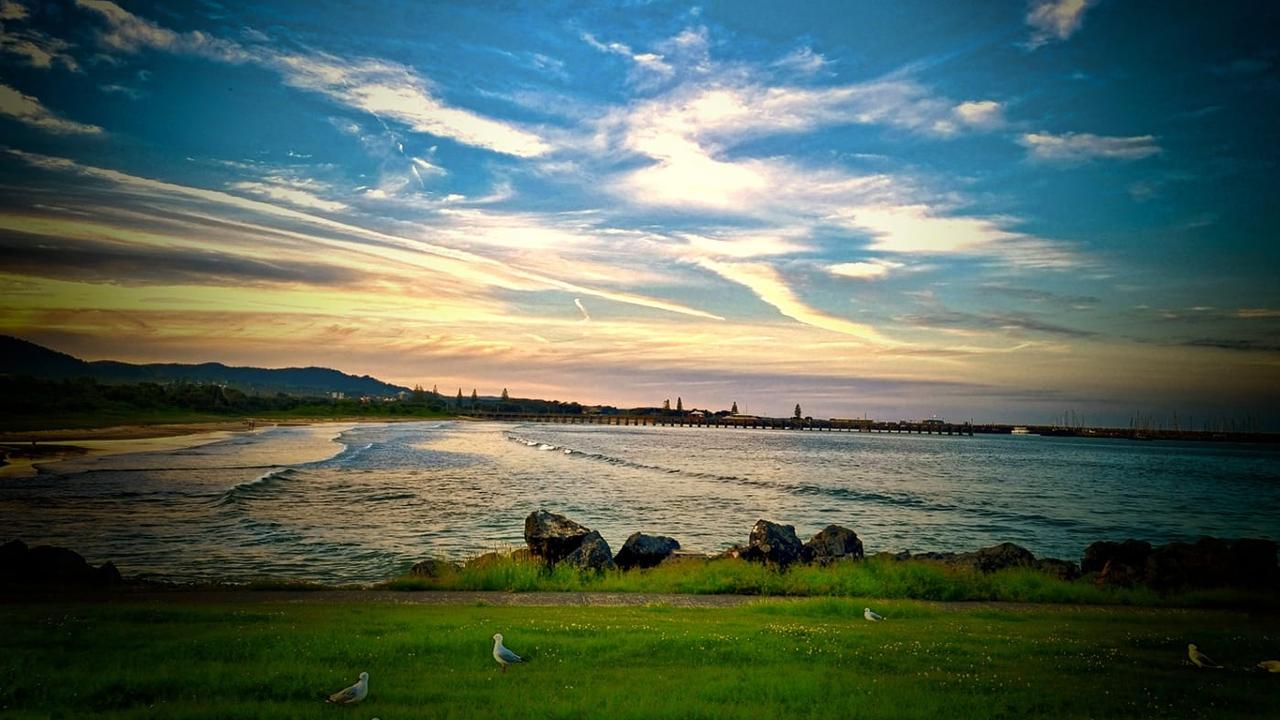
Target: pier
[732, 421]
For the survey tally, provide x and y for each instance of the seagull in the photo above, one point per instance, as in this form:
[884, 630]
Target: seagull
[1270, 665]
[871, 615]
[504, 656]
[1199, 658]
[353, 694]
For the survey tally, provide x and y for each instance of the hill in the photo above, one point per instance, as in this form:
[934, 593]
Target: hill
[22, 358]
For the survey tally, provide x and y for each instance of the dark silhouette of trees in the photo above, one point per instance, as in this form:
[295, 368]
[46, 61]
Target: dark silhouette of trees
[798, 414]
[505, 396]
[734, 409]
[679, 404]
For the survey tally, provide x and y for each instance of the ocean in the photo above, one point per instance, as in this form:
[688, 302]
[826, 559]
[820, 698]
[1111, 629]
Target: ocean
[361, 502]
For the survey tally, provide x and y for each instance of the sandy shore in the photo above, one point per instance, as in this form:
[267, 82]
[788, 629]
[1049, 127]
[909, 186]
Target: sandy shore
[27, 449]
[23, 456]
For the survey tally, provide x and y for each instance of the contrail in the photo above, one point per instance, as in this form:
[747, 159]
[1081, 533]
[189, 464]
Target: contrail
[586, 316]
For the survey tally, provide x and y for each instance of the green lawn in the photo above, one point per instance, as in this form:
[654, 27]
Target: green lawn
[776, 659]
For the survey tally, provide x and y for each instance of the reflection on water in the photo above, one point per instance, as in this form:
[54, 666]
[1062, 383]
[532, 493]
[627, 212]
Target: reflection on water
[360, 503]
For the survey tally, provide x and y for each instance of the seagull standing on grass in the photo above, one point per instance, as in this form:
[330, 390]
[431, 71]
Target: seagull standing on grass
[353, 694]
[871, 615]
[504, 656]
[1200, 659]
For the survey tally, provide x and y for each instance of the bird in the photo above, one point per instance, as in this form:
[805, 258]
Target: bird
[504, 656]
[871, 615]
[353, 694]
[1199, 658]
[1270, 665]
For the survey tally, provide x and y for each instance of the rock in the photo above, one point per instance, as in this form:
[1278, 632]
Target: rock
[1254, 563]
[1118, 573]
[735, 552]
[645, 551]
[773, 543]
[998, 557]
[433, 568]
[46, 564]
[108, 574]
[1061, 569]
[1211, 562]
[552, 537]
[988, 559]
[518, 555]
[591, 554]
[1130, 553]
[834, 543]
[946, 557]
[680, 557]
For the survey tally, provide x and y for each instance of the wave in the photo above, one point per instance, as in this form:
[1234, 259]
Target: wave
[263, 482]
[903, 500]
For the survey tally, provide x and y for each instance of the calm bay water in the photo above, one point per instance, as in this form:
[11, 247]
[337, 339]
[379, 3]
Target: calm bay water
[361, 503]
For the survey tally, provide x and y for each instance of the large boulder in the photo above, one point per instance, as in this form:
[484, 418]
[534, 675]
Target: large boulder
[645, 551]
[46, 564]
[591, 554]
[1131, 554]
[773, 543]
[552, 537]
[834, 543]
[1210, 562]
[998, 557]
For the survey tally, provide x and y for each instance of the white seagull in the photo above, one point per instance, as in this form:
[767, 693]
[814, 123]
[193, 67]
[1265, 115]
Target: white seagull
[504, 656]
[1199, 658]
[353, 694]
[871, 615]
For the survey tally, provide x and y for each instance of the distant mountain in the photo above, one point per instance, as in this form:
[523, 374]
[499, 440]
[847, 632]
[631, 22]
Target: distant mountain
[19, 357]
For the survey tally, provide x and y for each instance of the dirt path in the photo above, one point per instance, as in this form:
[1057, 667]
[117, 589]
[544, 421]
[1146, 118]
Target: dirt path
[515, 599]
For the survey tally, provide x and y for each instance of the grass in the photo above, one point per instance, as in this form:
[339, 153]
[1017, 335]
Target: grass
[873, 577]
[797, 659]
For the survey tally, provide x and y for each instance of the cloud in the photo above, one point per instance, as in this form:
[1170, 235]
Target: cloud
[918, 229]
[864, 270]
[398, 250]
[385, 89]
[1053, 20]
[586, 316]
[129, 33]
[649, 65]
[10, 10]
[28, 110]
[391, 90]
[301, 192]
[980, 114]
[116, 263]
[765, 282]
[37, 49]
[804, 61]
[1073, 148]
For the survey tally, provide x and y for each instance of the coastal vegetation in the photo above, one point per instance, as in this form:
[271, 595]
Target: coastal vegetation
[773, 658]
[877, 577]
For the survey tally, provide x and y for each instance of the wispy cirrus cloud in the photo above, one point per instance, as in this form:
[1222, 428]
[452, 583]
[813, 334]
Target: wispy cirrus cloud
[383, 88]
[1072, 148]
[1054, 20]
[29, 111]
[768, 285]
[803, 60]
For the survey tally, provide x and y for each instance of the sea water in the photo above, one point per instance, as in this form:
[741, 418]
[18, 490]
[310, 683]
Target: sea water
[358, 503]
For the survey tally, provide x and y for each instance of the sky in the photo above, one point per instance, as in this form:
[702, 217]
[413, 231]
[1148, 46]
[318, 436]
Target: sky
[998, 211]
